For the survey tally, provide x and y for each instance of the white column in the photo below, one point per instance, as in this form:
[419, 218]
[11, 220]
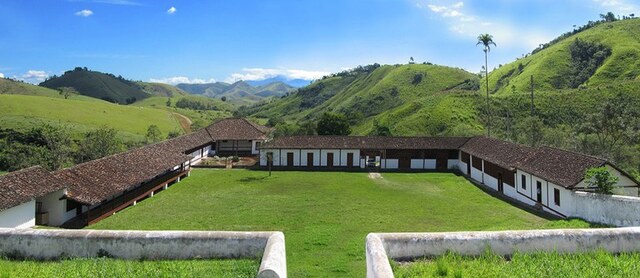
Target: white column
[135, 203]
[165, 186]
[151, 194]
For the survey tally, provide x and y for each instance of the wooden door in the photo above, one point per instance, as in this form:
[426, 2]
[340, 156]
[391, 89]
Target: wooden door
[500, 184]
[539, 192]
[404, 163]
[441, 160]
[349, 159]
[329, 159]
[309, 159]
[289, 159]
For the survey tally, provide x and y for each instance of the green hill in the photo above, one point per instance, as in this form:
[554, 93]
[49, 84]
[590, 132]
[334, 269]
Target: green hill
[12, 87]
[410, 99]
[161, 89]
[198, 110]
[21, 113]
[554, 66]
[98, 85]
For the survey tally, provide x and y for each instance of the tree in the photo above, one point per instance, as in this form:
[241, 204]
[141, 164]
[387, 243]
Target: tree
[333, 124]
[486, 40]
[173, 134]
[153, 134]
[67, 92]
[411, 61]
[57, 141]
[168, 102]
[380, 130]
[223, 99]
[608, 17]
[98, 143]
[601, 180]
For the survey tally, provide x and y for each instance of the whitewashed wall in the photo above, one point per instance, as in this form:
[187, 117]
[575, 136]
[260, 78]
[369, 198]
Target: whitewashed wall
[343, 157]
[56, 208]
[452, 164]
[316, 157]
[389, 164]
[622, 211]
[21, 216]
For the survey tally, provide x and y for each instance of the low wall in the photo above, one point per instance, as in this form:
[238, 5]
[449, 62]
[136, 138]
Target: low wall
[621, 211]
[148, 245]
[408, 246]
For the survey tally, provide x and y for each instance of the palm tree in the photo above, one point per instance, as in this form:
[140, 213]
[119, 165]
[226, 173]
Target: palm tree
[486, 40]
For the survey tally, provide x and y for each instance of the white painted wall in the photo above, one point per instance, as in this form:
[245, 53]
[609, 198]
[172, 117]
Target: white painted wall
[21, 216]
[452, 164]
[490, 181]
[56, 208]
[462, 167]
[323, 157]
[389, 164]
[615, 210]
[476, 174]
[343, 157]
[316, 157]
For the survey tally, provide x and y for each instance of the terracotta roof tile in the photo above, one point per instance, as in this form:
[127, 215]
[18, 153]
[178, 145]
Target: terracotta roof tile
[365, 142]
[502, 153]
[21, 186]
[237, 129]
[561, 167]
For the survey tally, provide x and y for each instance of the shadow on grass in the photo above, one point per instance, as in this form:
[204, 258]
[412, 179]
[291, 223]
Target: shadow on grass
[252, 179]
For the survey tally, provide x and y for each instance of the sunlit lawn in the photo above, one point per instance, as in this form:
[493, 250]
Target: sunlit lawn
[325, 216]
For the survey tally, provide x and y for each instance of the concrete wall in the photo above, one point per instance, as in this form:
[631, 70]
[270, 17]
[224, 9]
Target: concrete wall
[389, 164]
[407, 246]
[452, 164]
[622, 211]
[56, 208]
[149, 245]
[21, 216]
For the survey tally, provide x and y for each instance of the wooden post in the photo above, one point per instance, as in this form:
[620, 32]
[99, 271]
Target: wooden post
[269, 161]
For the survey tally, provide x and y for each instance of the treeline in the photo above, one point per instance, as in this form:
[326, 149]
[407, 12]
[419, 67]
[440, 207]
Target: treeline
[195, 104]
[55, 148]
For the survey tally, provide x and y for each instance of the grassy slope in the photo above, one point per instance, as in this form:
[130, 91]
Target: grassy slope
[371, 96]
[206, 116]
[161, 90]
[623, 37]
[20, 88]
[24, 112]
[121, 268]
[98, 85]
[592, 264]
[325, 216]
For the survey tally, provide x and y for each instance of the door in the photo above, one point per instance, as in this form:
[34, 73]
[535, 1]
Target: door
[329, 159]
[404, 163]
[289, 159]
[349, 159]
[469, 168]
[539, 192]
[500, 184]
[441, 160]
[309, 159]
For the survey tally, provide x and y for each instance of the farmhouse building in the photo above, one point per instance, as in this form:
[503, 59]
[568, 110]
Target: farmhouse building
[541, 177]
[545, 178]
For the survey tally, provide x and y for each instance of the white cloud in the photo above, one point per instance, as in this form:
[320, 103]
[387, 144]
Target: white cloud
[84, 13]
[1, 75]
[617, 6]
[182, 79]
[172, 10]
[33, 76]
[256, 74]
[465, 23]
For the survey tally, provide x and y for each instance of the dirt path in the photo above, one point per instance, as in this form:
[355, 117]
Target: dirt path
[184, 121]
[375, 176]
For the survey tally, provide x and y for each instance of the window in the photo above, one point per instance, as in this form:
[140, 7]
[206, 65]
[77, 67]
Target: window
[524, 182]
[556, 196]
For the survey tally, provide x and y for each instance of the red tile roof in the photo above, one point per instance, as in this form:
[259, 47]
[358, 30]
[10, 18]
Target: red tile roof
[561, 167]
[502, 153]
[24, 185]
[365, 142]
[237, 129]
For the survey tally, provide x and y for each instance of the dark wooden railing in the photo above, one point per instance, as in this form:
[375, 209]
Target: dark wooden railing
[129, 197]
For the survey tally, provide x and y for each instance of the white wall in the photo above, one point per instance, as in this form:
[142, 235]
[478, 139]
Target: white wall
[323, 157]
[623, 181]
[614, 210]
[389, 164]
[56, 208]
[316, 157]
[21, 216]
[452, 164]
[462, 167]
[343, 157]
[490, 181]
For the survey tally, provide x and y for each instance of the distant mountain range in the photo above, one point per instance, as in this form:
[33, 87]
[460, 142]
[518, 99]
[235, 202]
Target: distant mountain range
[241, 92]
[298, 83]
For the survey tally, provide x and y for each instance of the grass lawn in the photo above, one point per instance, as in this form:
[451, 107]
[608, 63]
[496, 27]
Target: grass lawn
[593, 264]
[325, 216]
[120, 268]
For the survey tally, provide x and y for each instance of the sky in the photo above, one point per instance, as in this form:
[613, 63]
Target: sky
[184, 41]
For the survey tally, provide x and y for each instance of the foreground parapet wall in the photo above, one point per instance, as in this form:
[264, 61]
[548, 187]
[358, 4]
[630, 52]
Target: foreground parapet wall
[148, 245]
[408, 246]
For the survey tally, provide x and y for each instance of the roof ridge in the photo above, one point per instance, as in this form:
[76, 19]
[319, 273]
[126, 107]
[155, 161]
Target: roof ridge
[575, 152]
[25, 170]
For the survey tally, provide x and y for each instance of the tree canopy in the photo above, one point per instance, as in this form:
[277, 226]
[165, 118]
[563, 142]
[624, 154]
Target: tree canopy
[333, 124]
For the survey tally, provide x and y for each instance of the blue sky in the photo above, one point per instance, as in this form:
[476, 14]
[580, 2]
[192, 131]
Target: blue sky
[202, 41]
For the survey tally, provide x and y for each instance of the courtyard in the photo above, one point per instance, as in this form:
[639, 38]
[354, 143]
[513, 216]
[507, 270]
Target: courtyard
[325, 216]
